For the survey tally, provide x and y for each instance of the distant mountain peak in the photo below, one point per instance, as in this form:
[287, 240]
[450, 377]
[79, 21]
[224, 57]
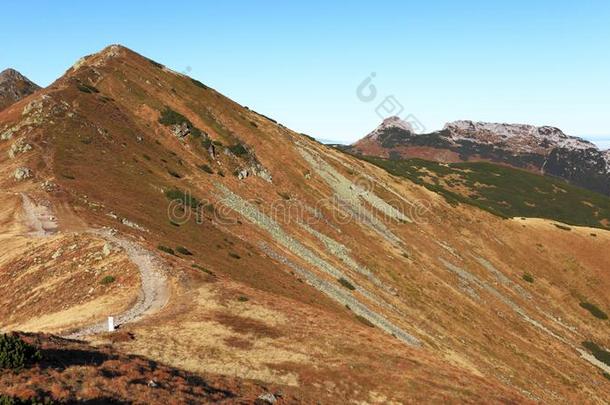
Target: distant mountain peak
[388, 123]
[544, 149]
[14, 86]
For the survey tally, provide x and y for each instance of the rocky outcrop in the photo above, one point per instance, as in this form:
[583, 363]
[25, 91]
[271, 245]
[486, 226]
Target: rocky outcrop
[23, 173]
[544, 149]
[13, 87]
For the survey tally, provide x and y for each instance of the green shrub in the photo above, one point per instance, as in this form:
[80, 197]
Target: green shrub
[198, 267]
[7, 400]
[594, 310]
[346, 284]
[206, 143]
[199, 84]
[166, 249]
[174, 174]
[108, 280]
[171, 117]
[242, 298]
[156, 64]
[206, 168]
[597, 352]
[183, 251]
[238, 149]
[85, 88]
[284, 195]
[365, 321]
[15, 354]
[528, 277]
[186, 198]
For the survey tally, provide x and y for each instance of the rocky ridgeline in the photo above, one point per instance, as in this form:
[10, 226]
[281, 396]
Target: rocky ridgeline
[545, 149]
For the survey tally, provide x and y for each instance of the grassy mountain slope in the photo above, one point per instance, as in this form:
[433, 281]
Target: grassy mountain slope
[505, 191]
[292, 263]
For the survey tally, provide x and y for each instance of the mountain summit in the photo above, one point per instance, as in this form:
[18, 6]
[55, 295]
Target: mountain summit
[545, 149]
[14, 86]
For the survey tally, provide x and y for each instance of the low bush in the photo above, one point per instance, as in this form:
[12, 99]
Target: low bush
[528, 277]
[166, 249]
[15, 354]
[234, 255]
[183, 251]
[171, 117]
[365, 321]
[186, 198]
[238, 149]
[198, 267]
[594, 310]
[108, 280]
[199, 84]
[174, 174]
[85, 88]
[346, 284]
[206, 168]
[597, 352]
[242, 298]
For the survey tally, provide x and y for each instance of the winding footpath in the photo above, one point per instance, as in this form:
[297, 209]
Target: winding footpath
[154, 289]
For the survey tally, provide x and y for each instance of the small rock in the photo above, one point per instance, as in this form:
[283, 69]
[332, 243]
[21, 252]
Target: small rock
[267, 398]
[107, 249]
[152, 384]
[23, 173]
[48, 186]
[242, 174]
[57, 253]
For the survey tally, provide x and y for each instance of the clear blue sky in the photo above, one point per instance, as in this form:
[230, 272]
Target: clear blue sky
[538, 62]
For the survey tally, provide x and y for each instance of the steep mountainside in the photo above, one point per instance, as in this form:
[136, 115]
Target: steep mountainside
[545, 150]
[13, 87]
[264, 256]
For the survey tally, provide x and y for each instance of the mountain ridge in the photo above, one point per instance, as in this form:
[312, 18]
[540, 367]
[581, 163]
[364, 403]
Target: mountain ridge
[545, 149]
[287, 261]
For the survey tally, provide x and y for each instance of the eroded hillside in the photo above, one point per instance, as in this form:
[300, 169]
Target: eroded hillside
[280, 259]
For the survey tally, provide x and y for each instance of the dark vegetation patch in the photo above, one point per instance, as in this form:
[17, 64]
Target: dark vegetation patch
[186, 198]
[166, 249]
[528, 277]
[594, 310]
[198, 83]
[597, 352]
[504, 191]
[364, 321]
[15, 354]
[108, 280]
[346, 284]
[206, 168]
[174, 174]
[201, 268]
[238, 149]
[156, 64]
[234, 255]
[183, 251]
[86, 88]
[171, 117]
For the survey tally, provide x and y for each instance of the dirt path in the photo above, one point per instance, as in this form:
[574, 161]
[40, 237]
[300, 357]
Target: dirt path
[154, 291]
